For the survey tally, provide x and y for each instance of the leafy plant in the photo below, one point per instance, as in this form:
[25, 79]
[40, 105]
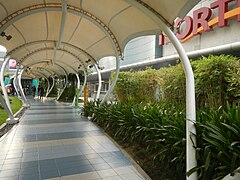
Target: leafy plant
[159, 129]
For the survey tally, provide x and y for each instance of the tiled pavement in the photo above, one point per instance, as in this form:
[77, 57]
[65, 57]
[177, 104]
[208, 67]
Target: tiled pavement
[53, 142]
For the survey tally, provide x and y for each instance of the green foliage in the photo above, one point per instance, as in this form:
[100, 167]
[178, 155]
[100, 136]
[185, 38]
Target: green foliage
[218, 142]
[216, 80]
[16, 104]
[159, 128]
[136, 86]
[54, 91]
[69, 91]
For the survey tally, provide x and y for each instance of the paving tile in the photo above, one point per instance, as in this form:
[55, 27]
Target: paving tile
[11, 166]
[29, 177]
[9, 173]
[131, 177]
[83, 176]
[59, 144]
[124, 170]
[92, 156]
[112, 178]
[49, 174]
[107, 173]
[73, 164]
[76, 170]
[10, 178]
[13, 161]
[102, 166]
[97, 160]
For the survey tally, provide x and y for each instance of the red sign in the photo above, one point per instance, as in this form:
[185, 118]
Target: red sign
[12, 64]
[200, 22]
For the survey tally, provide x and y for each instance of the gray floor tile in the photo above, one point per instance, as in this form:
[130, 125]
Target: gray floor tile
[33, 156]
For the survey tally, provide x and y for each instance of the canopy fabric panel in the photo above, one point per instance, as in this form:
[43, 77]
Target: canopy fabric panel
[42, 31]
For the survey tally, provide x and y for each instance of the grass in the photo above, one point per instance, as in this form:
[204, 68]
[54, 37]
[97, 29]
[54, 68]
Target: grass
[16, 104]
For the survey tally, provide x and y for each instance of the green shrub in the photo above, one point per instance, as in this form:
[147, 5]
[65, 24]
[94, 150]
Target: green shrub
[137, 86]
[159, 129]
[216, 82]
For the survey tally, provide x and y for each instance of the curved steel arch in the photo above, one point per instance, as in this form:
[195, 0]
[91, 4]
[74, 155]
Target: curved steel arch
[66, 80]
[191, 141]
[58, 7]
[49, 48]
[41, 62]
[51, 41]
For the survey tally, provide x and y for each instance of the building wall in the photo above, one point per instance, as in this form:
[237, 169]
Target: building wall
[216, 37]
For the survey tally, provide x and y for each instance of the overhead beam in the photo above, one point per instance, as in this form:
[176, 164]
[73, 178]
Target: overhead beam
[63, 20]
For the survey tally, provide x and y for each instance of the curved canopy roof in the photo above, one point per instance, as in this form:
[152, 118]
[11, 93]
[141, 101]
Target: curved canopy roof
[59, 37]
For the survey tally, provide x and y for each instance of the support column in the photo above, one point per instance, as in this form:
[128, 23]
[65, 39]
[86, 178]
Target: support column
[63, 87]
[15, 84]
[190, 103]
[3, 84]
[105, 98]
[53, 83]
[190, 88]
[48, 86]
[99, 82]
[75, 99]
[26, 104]
[84, 82]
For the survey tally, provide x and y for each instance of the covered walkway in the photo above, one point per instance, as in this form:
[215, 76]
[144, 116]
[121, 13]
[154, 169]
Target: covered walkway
[53, 141]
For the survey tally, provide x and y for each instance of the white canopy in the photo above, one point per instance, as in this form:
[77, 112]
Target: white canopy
[47, 34]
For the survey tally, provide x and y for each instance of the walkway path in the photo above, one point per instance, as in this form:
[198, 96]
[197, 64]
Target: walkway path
[53, 141]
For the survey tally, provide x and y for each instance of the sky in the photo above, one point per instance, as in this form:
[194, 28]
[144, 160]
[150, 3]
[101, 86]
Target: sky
[2, 49]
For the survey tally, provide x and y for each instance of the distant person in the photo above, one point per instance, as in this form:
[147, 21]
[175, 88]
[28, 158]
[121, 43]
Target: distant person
[41, 92]
[33, 91]
[38, 91]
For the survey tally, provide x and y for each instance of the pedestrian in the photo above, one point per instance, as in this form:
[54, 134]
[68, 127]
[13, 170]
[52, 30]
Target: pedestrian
[33, 91]
[38, 91]
[41, 92]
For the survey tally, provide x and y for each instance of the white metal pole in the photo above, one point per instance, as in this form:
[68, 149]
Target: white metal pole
[105, 98]
[48, 86]
[26, 104]
[190, 104]
[190, 88]
[3, 84]
[53, 83]
[65, 85]
[99, 81]
[78, 87]
[15, 85]
[84, 82]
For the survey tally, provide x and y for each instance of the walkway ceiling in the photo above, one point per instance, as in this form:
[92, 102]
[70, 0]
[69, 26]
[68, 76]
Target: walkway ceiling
[55, 37]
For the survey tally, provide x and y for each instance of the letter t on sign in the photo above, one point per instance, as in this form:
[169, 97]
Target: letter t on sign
[222, 6]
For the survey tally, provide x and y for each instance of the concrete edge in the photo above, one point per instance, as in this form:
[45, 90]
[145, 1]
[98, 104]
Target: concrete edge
[135, 164]
[4, 124]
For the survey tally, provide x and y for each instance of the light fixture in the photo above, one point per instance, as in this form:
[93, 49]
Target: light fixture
[3, 34]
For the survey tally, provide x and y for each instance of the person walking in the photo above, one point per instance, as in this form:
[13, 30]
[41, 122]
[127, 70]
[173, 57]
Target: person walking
[41, 92]
[38, 91]
[33, 91]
